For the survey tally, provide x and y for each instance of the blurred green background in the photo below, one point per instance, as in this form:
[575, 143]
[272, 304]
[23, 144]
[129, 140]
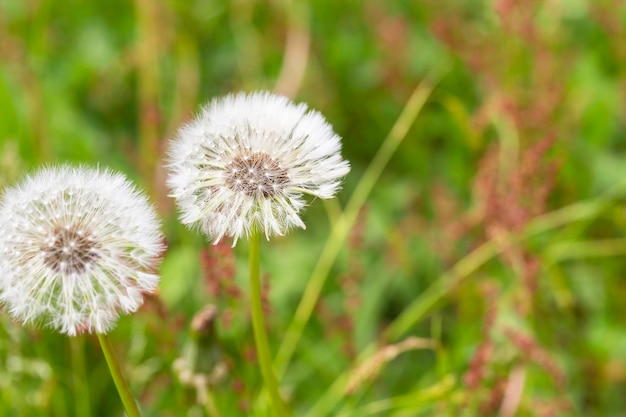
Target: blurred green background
[519, 153]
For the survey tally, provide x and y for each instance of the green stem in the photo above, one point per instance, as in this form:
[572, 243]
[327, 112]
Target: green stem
[258, 324]
[77, 347]
[116, 372]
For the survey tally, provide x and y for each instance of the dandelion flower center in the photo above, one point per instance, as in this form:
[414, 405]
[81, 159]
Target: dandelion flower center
[256, 175]
[69, 250]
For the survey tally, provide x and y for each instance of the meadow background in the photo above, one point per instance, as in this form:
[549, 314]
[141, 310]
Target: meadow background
[477, 271]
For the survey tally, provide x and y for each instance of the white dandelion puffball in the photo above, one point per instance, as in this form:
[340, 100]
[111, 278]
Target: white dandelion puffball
[245, 162]
[78, 247]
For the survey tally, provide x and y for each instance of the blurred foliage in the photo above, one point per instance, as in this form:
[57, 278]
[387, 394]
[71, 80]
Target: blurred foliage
[512, 179]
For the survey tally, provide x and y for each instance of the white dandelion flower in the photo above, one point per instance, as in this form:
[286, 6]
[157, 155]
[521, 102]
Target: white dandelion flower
[245, 162]
[78, 247]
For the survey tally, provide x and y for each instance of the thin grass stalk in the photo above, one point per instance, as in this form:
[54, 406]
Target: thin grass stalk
[345, 222]
[422, 305]
[581, 211]
[297, 46]
[148, 86]
[416, 400]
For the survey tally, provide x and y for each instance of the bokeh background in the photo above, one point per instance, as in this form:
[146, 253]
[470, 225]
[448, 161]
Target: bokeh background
[497, 230]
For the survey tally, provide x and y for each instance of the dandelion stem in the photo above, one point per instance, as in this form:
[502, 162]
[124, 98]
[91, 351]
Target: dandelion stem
[77, 347]
[116, 372]
[258, 324]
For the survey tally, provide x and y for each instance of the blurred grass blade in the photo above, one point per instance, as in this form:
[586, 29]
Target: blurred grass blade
[346, 221]
[414, 401]
[581, 211]
[422, 304]
[465, 267]
[569, 250]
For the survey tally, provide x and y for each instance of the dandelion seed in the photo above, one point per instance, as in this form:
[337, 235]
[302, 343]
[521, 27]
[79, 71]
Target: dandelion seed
[245, 162]
[78, 247]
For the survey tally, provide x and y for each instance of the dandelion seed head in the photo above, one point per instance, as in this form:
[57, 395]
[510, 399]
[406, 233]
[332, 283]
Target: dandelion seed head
[246, 161]
[79, 247]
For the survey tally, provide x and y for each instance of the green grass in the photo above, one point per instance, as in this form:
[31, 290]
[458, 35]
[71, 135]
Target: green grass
[472, 265]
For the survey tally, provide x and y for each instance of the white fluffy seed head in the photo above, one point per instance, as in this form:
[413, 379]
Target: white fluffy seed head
[245, 162]
[78, 247]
